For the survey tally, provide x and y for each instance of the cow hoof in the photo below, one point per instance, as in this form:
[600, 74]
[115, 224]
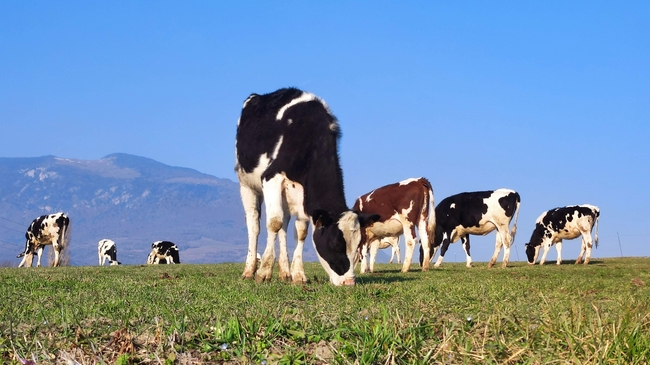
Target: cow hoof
[299, 279]
[285, 277]
[247, 276]
[260, 278]
[490, 265]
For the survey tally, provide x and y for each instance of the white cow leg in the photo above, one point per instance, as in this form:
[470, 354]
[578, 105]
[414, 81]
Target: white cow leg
[507, 242]
[252, 202]
[426, 245]
[364, 258]
[468, 256]
[39, 253]
[374, 247]
[297, 269]
[443, 249]
[275, 220]
[558, 248]
[57, 254]
[409, 237]
[546, 248]
[283, 259]
[588, 244]
[497, 249]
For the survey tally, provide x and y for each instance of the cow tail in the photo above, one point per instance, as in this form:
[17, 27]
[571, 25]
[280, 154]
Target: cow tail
[596, 237]
[431, 212]
[513, 232]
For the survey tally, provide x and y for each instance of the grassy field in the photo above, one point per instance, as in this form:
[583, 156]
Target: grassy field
[194, 314]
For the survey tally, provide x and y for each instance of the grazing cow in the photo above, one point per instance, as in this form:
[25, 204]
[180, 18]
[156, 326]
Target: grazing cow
[107, 251]
[477, 213]
[402, 207]
[163, 252]
[287, 157]
[559, 224]
[45, 230]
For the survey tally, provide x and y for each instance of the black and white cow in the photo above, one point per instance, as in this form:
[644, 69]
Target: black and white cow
[402, 207]
[163, 252]
[107, 250]
[477, 213]
[51, 229]
[565, 223]
[287, 157]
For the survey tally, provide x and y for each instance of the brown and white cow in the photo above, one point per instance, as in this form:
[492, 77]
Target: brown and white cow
[565, 223]
[477, 213]
[51, 229]
[402, 207]
[287, 157]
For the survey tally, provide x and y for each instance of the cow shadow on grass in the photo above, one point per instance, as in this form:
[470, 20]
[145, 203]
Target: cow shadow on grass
[573, 262]
[381, 277]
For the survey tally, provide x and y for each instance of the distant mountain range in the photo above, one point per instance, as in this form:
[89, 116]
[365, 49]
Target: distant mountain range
[130, 199]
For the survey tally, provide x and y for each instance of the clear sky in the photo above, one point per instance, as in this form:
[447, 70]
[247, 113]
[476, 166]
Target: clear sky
[551, 99]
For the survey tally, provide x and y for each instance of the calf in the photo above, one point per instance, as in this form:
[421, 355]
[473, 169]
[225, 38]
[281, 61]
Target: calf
[163, 252]
[558, 224]
[107, 251]
[286, 155]
[477, 213]
[45, 230]
[402, 207]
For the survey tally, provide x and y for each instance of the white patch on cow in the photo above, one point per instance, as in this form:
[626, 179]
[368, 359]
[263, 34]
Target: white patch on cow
[408, 181]
[452, 206]
[360, 204]
[369, 197]
[305, 97]
[289, 121]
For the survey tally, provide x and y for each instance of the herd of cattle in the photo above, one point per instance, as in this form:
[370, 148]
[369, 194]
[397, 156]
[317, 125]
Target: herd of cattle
[287, 158]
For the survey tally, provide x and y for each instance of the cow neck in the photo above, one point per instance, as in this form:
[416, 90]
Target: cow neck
[324, 190]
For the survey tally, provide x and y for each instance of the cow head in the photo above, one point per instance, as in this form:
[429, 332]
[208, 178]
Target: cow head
[536, 240]
[337, 242]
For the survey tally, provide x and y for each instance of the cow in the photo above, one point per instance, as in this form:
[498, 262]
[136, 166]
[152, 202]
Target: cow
[402, 207]
[286, 155]
[107, 251]
[477, 213]
[386, 242]
[49, 229]
[559, 224]
[163, 252]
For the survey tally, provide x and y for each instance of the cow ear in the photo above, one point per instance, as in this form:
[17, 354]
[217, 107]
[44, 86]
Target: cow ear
[367, 220]
[321, 218]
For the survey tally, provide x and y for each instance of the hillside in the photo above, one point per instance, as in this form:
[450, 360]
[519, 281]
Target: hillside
[130, 199]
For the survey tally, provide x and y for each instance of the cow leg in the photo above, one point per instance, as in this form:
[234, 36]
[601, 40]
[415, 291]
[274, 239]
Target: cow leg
[374, 247]
[443, 249]
[546, 246]
[364, 258]
[57, 253]
[589, 244]
[426, 245]
[100, 259]
[409, 237]
[39, 253]
[283, 259]
[275, 220]
[497, 248]
[297, 268]
[396, 250]
[27, 260]
[558, 248]
[252, 202]
[468, 256]
[507, 242]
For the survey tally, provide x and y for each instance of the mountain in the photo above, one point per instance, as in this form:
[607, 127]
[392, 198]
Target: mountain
[130, 199]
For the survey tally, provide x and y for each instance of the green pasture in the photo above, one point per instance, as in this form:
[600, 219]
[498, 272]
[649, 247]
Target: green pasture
[205, 314]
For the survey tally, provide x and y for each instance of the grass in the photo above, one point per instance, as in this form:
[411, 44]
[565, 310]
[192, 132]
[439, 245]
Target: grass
[196, 314]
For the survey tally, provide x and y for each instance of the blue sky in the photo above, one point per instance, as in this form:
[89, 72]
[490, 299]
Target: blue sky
[550, 99]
